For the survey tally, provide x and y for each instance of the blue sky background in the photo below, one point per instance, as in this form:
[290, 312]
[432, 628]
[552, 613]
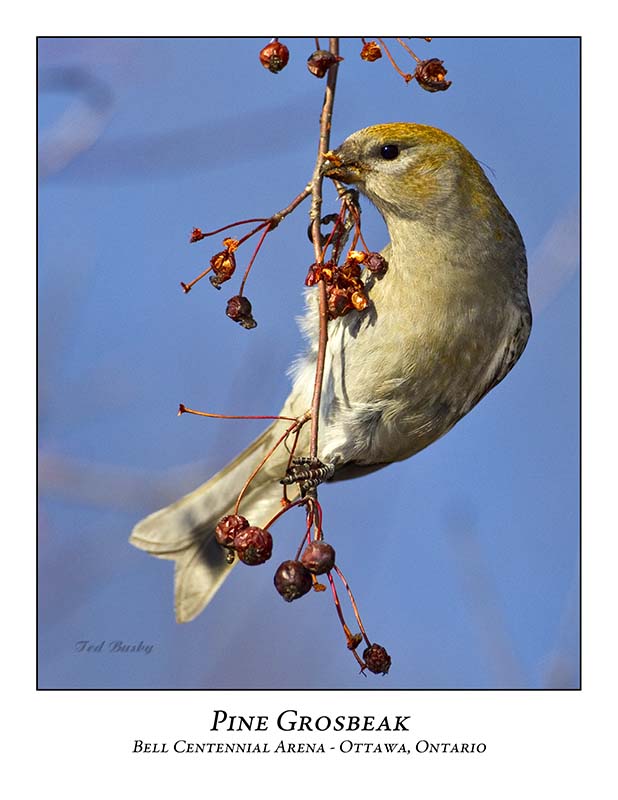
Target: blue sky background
[464, 560]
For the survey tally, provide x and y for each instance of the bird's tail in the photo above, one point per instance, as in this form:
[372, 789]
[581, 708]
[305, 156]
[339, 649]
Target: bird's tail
[185, 530]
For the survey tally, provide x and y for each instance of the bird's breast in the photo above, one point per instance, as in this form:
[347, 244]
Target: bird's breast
[404, 371]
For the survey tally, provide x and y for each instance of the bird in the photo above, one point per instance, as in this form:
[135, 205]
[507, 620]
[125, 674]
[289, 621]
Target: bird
[443, 326]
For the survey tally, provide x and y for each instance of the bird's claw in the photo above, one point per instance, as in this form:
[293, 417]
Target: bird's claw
[308, 473]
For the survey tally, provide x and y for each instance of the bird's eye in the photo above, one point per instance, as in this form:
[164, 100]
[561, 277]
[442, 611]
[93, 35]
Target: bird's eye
[389, 151]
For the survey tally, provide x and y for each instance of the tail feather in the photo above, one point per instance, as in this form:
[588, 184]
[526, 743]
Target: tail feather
[184, 530]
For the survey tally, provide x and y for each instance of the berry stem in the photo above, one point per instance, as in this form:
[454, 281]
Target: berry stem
[307, 534]
[270, 223]
[318, 513]
[186, 287]
[233, 225]
[291, 451]
[405, 47]
[251, 233]
[182, 409]
[353, 601]
[405, 75]
[267, 230]
[297, 423]
[348, 633]
[338, 223]
[359, 234]
[301, 501]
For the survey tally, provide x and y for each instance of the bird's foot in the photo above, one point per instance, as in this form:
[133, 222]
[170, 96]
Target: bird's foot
[308, 473]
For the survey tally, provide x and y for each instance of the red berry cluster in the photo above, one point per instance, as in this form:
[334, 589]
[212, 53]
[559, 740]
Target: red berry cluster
[429, 74]
[293, 579]
[296, 577]
[223, 265]
[275, 56]
[251, 544]
[345, 289]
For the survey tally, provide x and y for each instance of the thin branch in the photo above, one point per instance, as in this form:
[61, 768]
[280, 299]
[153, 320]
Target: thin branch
[269, 223]
[297, 424]
[276, 218]
[316, 208]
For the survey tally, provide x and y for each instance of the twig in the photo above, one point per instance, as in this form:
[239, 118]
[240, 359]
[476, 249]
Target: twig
[276, 218]
[297, 424]
[267, 223]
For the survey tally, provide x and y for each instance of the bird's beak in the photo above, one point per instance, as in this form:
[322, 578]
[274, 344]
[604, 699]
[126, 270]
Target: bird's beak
[335, 166]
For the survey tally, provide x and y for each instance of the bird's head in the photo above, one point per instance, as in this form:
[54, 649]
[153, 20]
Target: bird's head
[410, 171]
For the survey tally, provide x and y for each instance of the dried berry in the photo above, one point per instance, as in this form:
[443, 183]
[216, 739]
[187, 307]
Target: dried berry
[196, 235]
[292, 580]
[223, 265]
[338, 301]
[430, 75]
[318, 557]
[376, 263]
[228, 527]
[344, 287]
[253, 545]
[359, 300]
[371, 51]
[318, 272]
[350, 272]
[274, 56]
[376, 659]
[231, 244]
[320, 62]
[239, 309]
[357, 256]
